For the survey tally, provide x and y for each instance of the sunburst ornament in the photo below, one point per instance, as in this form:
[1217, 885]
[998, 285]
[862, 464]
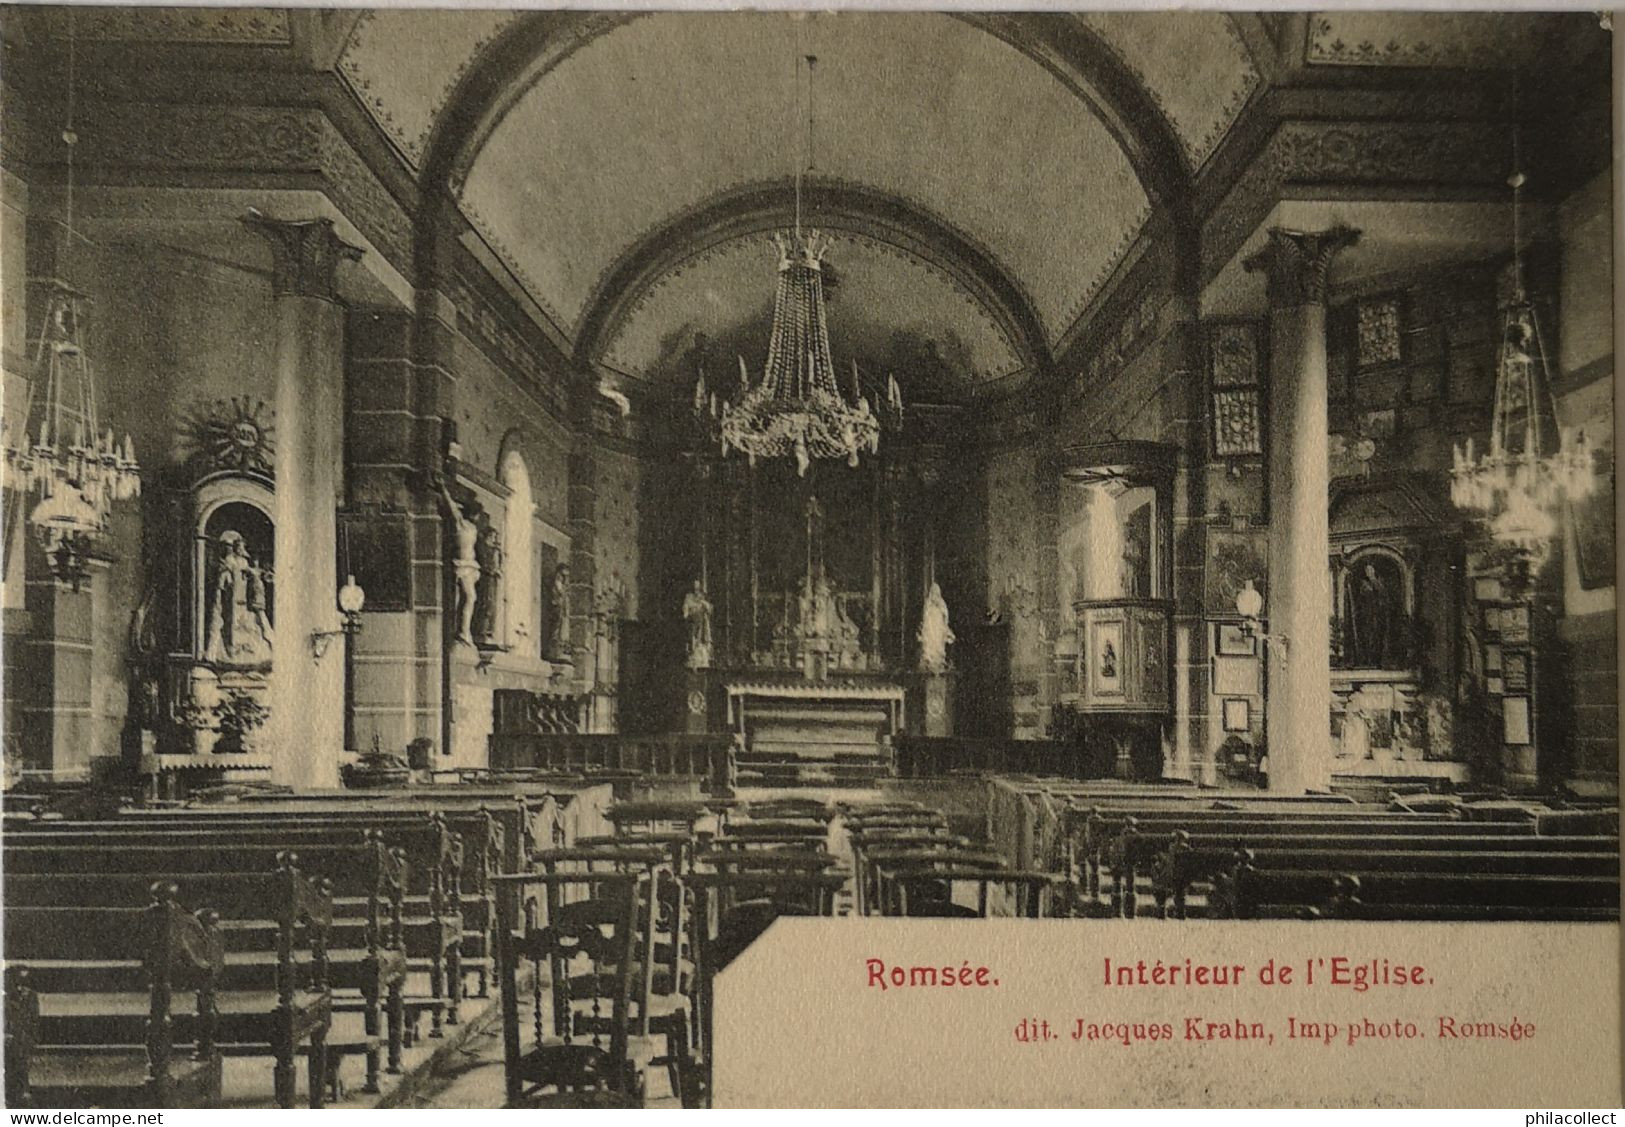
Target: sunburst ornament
[231, 434]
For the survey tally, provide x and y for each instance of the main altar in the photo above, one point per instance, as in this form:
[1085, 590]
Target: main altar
[804, 627]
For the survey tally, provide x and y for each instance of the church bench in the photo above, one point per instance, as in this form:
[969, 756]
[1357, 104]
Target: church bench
[1099, 837]
[1254, 893]
[370, 974]
[105, 962]
[652, 815]
[275, 1005]
[436, 845]
[1184, 864]
[1141, 843]
[492, 841]
[788, 806]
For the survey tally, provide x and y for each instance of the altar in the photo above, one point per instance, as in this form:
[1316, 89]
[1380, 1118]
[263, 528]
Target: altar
[798, 721]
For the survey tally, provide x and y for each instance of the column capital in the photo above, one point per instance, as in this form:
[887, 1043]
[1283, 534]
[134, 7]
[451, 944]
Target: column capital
[1295, 263]
[305, 254]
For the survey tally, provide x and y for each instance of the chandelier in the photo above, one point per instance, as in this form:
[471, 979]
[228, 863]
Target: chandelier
[62, 456]
[1532, 466]
[797, 409]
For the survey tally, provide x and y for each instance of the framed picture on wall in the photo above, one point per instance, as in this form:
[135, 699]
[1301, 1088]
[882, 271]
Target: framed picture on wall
[1234, 641]
[1235, 676]
[1238, 714]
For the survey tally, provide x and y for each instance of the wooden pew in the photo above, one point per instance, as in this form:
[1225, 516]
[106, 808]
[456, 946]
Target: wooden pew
[371, 874]
[107, 965]
[1188, 859]
[1111, 839]
[268, 1007]
[1254, 893]
[484, 848]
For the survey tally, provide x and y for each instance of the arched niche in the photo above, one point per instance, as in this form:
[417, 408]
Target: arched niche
[519, 590]
[233, 572]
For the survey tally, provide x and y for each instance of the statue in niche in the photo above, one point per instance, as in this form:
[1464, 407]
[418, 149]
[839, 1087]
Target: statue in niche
[239, 611]
[558, 641]
[1136, 580]
[488, 554]
[697, 614]
[1374, 616]
[465, 565]
[935, 633]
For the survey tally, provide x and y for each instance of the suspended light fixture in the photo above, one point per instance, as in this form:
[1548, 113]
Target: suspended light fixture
[63, 456]
[798, 409]
[1532, 466]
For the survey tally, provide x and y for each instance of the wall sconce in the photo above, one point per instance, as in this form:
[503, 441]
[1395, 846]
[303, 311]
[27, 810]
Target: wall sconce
[351, 599]
[1250, 605]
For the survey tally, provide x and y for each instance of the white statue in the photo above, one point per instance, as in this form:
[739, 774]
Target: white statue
[935, 633]
[239, 618]
[466, 565]
[697, 613]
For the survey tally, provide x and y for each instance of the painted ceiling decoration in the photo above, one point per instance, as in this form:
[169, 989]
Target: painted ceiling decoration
[1424, 39]
[403, 63]
[183, 25]
[1195, 66]
[924, 103]
[888, 309]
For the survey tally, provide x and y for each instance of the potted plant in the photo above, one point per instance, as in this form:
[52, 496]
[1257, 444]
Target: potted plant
[376, 768]
[239, 716]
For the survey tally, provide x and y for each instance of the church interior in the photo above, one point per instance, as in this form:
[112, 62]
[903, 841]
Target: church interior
[501, 505]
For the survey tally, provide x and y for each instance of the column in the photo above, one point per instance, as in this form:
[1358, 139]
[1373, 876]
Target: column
[307, 692]
[1297, 713]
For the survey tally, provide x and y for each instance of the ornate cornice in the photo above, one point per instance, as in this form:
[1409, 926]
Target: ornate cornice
[242, 146]
[1437, 158]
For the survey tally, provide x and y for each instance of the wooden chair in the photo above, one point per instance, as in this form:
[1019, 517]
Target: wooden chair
[571, 1057]
[89, 997]
[732, 909]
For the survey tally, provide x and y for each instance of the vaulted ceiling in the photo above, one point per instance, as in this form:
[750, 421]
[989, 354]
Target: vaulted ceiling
[981, 182]
[986, 176]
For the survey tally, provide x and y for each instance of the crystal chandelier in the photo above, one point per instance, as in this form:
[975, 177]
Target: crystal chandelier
[1532, 466]
[797, 408]
[62, 455]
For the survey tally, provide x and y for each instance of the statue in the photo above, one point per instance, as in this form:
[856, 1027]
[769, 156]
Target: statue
[697, 613]
[466, 565]
[558, 642]
[1134, 585]
[487, 587]
[608, 608]
[935, 633]
[239, 620]
[824, 613]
